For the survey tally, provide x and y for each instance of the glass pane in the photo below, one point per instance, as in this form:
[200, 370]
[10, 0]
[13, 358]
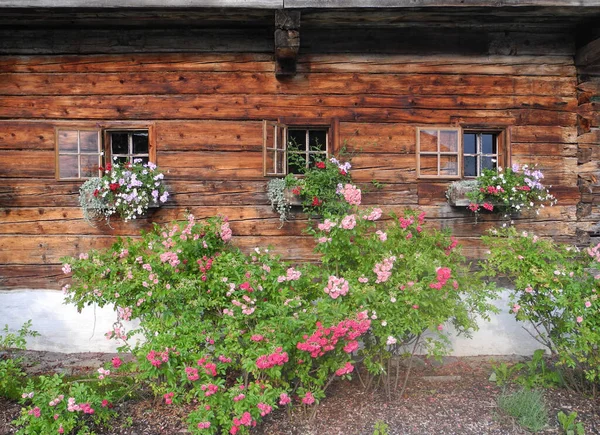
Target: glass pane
[449, 141]
[470, 167]
[140, 142]
[317, 140]
[316, 157]
[67, 141]
[119, 143]
[297, 140]
[296, 163]
[488, 143]
[428, 140]
[143, 159]
[89, 165]
[120, 160]
[469, 144]
[89, 141]
[280, 162]
[68, 167]
[488, 163]
[429, 165]
[448, 165]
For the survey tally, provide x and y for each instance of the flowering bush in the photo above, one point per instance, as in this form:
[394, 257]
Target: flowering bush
[556, 290]
[323, 189]
[240, 334]
[512, 190]
[126, 189]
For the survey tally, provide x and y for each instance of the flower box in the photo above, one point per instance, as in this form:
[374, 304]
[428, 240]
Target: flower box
[457, 192]
[291, 198]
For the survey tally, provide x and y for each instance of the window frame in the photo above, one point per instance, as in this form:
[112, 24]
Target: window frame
[58, 153]
[280, 134]
[438, 153]
[503, 149]
[103, 128]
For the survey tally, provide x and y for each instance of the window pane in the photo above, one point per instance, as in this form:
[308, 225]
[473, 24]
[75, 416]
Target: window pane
[296, 163]
[470, 169]
[449, 141]
[317, 140]
[67, 141]
[119, 143]
[89, 142]
[448, 165]
[297, 140]
[469, 144]
[68, 167]
[488, 163]
[120, 160]
[428, 141]
[89, 165]
[429, 165]
[140, 143]
[488, 143]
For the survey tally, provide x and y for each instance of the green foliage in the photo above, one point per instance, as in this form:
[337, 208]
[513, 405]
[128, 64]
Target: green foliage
[556, 291]
[241, 334]
[11, 375]
[276, 194]
[505, 374]
[51, 406]
[381, 428]
[527, 407]
[569, 425]
[538, 374]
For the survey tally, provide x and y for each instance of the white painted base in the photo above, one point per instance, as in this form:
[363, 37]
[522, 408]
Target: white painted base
[63, 329]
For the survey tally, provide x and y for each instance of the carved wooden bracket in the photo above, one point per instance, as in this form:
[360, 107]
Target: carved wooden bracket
[287, 42]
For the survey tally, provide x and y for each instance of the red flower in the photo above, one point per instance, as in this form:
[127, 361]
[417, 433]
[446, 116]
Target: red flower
[342, 172]
[488, 206]
[96, 192]
[108, 167]
[297, 190]
[101, 168]
[320, 165]
[473, 207]
[113, 186]
[526, 188]
[316, 202]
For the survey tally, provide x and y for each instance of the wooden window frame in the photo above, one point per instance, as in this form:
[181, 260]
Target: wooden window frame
[279, 147]
[58, 152]
[502, 152]
[104, 128]
[503, 148]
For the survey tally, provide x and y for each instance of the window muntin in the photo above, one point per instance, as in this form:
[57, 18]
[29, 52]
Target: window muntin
[438, 152]
[79, 153]
[480, 151]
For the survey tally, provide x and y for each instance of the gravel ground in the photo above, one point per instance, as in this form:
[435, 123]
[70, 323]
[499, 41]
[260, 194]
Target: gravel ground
[454, 397]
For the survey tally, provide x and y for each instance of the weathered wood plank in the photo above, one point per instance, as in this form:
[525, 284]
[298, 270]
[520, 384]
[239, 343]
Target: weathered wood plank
[543, 149]
[209, 136]
[549, 65]
[546, 134]
[212, 165]
[21, 163]
[232, 108]
[23, 135]
[15, 276]
[125, 83]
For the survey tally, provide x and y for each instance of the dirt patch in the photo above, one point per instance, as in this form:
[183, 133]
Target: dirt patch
[452, 397]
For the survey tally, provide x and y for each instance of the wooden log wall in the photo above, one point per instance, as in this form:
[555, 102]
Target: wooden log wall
[207, 109]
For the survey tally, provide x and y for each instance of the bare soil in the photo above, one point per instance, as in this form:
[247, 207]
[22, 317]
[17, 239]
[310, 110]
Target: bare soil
[452, 397]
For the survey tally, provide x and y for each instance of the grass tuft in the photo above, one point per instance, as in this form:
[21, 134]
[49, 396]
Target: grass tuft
[527, 407]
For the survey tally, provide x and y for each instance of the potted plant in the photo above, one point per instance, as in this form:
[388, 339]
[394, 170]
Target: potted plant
[323, 189]
[125, 189]
[512, 190]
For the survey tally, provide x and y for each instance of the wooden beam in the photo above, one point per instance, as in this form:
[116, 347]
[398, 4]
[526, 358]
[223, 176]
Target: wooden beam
[326, 4]
[262, 4]
[589, 54]
[287, 42]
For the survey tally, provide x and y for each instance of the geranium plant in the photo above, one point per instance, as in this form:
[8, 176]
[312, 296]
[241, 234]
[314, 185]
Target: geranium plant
[324, 189]
[511, 190]
[126, 189]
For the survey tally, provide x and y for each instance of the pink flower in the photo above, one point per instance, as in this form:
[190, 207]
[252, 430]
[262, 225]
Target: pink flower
[351, 194]
[488, 206]
[473, 207]
[348, 222]
[192, 373]
[382, 235]
[239, 397]
[226, 232]
[440, 327]
[579, 319]
[516, 308]
[336, 287]
[204, 425]
[391, 341]
[374, 215]
[363, 280]
[588, 304]
[383, 270]
[116, 362]
[168, 398]
[351, 346]
[257, 338]
[66, 268]
[284, 399]
[348, 368]
[264, 409]
[308, 398]
[61, 430]
[529, 289]
[326, 226]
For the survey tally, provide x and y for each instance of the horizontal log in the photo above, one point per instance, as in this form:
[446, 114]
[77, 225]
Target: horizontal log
[209, 136]
[39, 276]
[543, 149]
[20, 163]
[546, 134]
[591, 113]
[550, 65]
[155, 83]
[593, 137]
[23, 135]
[232, 108]
[212, 165]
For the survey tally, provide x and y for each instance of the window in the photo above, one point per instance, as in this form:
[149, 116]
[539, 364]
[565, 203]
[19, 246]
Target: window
[81, 151]
[289, 149]
[452, 153]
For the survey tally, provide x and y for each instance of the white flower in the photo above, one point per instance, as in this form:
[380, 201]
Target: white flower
[391, 340]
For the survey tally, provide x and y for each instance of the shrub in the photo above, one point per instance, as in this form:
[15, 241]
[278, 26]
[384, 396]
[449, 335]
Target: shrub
[242, 334]
[11, 374]
[556, 291]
